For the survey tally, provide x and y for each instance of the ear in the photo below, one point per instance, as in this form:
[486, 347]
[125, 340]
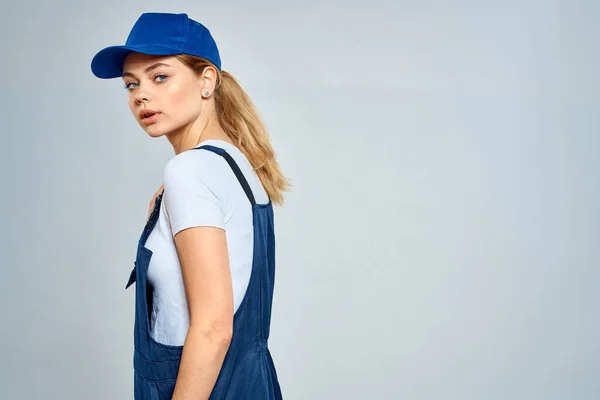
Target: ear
[207, 81]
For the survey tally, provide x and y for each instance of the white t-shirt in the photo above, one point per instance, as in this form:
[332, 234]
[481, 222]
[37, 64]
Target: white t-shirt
[201, 189]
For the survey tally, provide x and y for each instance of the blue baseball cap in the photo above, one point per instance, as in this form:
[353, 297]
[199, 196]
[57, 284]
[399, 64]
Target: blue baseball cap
[160, 34]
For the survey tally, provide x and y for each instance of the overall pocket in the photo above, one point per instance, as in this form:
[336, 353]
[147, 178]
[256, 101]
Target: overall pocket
[145, 389]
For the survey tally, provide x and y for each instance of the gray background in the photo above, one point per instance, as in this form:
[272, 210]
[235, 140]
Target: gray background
[441, 241]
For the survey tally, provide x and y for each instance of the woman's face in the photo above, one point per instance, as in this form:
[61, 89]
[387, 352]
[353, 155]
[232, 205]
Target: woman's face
[164, 95]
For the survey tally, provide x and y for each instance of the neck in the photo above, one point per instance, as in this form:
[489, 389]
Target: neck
[198, 131]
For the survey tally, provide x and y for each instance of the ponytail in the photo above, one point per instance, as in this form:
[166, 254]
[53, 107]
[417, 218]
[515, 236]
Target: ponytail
[240, 120]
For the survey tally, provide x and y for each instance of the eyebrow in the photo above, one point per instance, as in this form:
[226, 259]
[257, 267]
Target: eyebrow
[150, 68]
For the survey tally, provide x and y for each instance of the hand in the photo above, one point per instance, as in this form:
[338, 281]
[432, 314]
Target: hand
[154, 199]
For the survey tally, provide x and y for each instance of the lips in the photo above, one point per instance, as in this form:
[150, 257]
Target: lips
[148, 117]
[145, 113]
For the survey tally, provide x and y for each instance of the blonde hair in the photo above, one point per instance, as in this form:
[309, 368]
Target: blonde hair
[239, 118]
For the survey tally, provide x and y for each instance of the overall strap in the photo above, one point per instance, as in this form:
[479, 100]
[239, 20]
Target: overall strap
[236, 169]
[147, 229]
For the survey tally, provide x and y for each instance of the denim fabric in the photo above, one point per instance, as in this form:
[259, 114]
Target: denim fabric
[248, 371]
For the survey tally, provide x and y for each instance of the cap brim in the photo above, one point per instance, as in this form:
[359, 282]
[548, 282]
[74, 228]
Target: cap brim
[108, 62]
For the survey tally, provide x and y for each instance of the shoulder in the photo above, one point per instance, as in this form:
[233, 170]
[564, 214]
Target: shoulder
[192, 191]
[187, 160]
[192, 164]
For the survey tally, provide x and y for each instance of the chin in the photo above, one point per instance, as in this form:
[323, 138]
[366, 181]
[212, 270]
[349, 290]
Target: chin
[152, 131]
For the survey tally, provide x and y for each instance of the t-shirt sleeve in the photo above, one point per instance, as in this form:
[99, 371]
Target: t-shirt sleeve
[189, 201]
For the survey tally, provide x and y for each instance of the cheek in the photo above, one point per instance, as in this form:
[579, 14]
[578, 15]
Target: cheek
[184, 100]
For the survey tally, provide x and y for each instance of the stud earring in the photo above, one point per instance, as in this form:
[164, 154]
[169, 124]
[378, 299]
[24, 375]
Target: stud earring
[206, 93]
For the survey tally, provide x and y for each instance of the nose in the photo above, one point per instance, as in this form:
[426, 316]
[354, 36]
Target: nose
[141, 97]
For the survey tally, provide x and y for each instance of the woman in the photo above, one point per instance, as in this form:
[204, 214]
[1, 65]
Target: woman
[204, 269]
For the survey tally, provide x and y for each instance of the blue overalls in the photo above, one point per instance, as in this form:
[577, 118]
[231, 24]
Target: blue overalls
[248, 371]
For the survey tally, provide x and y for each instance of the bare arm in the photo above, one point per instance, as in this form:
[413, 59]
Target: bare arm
[205, 267]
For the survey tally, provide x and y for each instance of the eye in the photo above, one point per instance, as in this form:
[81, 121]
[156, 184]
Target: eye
[127, 86]
[162, 76]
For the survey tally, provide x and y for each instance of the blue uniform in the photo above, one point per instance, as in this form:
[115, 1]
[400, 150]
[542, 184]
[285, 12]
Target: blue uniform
[248, 371]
